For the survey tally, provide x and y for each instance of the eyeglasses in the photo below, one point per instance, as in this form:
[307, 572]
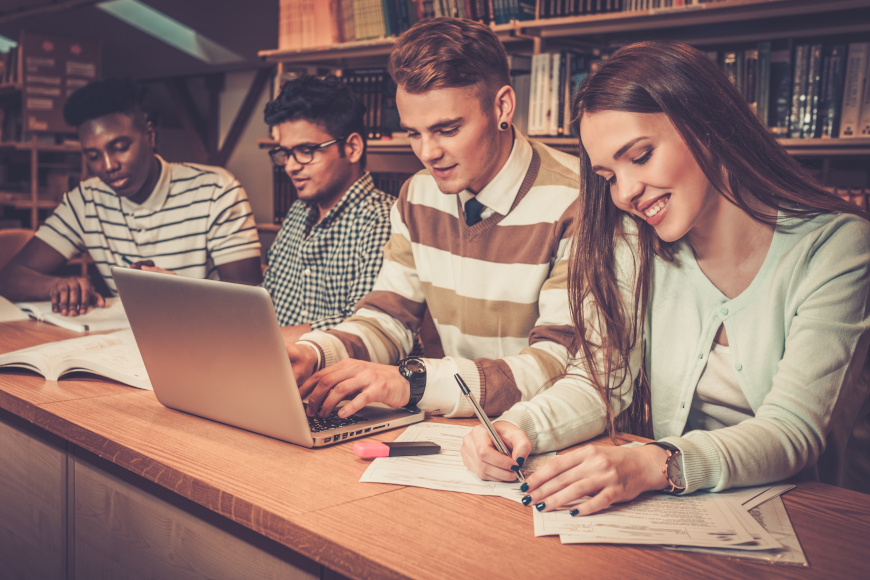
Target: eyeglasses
[303, 154]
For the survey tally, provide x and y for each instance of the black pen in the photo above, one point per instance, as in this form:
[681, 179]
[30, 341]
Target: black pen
[493, 434]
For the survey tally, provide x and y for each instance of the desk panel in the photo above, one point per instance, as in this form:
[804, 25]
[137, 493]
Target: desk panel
[33, 501]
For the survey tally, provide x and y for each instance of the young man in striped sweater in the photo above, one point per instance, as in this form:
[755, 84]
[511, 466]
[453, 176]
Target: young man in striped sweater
[479, 237]
[137, 210]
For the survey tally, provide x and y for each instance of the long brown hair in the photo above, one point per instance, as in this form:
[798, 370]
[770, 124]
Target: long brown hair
[736, 152]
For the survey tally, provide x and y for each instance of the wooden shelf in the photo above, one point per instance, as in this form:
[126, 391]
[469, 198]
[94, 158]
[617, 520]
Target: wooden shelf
[684, 17]
[700, 24]
[803, 147]
[24, 201]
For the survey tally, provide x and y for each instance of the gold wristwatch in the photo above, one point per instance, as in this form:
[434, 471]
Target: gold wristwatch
[673, 467]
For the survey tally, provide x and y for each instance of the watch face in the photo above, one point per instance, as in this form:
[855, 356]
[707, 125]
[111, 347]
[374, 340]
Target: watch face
[675, 471]
[415, 366]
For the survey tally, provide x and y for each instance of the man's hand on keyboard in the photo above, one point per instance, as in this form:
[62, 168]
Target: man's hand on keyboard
[363, 382]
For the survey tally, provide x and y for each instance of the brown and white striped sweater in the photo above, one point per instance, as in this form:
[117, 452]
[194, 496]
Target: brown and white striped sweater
[497, 290]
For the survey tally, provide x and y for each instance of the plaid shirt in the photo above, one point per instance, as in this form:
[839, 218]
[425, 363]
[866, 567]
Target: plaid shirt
[319, 271]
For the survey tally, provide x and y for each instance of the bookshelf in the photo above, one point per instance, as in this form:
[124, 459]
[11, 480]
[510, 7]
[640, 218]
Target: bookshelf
[711, 26]
[38, 163]
[35, 175]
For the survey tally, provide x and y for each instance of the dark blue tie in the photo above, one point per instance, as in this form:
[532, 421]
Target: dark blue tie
[473, 209]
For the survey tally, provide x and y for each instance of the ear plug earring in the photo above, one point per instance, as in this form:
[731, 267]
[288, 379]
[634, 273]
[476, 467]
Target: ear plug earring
[504, 126]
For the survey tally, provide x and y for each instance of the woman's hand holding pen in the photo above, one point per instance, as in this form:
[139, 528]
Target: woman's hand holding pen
[482, 458]
[606, 474]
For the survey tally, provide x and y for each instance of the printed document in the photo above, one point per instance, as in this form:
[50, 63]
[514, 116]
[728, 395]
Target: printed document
[444, 471]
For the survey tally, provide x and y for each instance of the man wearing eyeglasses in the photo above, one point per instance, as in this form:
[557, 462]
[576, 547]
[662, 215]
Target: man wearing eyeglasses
[329, 249]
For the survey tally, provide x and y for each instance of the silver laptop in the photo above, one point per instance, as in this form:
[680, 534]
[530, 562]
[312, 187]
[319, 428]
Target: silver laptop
[215, 349]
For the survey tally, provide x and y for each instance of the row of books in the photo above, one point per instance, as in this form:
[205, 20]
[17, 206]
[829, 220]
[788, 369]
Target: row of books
[800, 90]
[321, 23]
[554, 78]
[377, 91]
[804, 90]
[561, 8]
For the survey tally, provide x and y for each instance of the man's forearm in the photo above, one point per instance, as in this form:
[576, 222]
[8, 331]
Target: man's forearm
[18, 282]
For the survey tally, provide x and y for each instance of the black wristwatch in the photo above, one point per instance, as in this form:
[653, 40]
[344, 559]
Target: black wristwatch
[673, 467]
[414, 370]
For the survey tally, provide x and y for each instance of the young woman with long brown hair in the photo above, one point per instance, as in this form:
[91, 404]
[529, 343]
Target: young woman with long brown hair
[714, 282]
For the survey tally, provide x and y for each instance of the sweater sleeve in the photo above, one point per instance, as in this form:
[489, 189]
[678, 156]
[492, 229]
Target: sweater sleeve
[820, 388]
[572, 410]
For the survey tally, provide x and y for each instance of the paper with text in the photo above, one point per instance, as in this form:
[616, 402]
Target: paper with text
[444, 471]
[694, 520]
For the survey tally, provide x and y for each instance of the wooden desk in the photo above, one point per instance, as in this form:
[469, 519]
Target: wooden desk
[99, 480]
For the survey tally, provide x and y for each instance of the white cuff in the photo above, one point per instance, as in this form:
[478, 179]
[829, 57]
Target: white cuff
[442, 395]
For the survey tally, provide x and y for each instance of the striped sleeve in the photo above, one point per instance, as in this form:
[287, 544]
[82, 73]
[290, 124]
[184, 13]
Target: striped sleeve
[63, 229]
[382, 329]
[232, 232]
[572, 410]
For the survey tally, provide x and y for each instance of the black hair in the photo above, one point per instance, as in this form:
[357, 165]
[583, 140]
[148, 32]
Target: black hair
[104, 97]
[325, 101]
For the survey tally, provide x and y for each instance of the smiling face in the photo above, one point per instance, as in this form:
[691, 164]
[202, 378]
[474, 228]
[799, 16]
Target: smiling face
[455, 139]
[650, 171]
[121, 154]
[330, 174]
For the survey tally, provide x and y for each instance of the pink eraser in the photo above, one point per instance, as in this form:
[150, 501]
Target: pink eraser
[370, 449]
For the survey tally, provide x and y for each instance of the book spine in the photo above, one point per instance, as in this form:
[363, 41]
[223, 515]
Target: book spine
[763, 90]
[800, 78]
[864, 118]
[780, 86]
[853, 88]
[811, 112]
[750, 77]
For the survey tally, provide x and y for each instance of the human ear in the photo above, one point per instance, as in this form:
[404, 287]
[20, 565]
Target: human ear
[353, 147]
[505, 105]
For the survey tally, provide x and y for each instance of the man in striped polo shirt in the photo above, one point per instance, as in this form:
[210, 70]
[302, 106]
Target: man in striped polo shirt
[330, 247]
[479, 237]
[137, 210]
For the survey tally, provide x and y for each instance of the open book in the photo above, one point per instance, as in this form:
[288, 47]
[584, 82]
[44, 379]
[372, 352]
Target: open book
[10, 312]
[112, 317]
[114, 356]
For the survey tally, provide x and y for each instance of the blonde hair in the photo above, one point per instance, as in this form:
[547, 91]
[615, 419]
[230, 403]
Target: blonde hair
[444, 52]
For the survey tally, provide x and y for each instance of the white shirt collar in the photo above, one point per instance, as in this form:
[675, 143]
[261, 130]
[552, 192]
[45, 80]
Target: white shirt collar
[500, 193]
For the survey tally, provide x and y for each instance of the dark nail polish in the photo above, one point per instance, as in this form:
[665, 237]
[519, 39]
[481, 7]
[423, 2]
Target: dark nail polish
[524, 487]
[574, 512]
[515, 468]
[527, 500]
[540, 506]
[520, 461]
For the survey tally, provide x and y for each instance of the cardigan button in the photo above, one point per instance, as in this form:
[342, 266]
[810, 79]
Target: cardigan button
[724, 311]
[738, 367]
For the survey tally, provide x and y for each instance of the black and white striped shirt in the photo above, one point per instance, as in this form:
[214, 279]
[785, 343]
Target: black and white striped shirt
[197, 218]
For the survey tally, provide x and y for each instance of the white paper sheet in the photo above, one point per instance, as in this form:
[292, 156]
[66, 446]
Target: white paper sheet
[444, 471]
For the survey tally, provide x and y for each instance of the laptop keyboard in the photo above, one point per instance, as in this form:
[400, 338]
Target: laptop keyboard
[333, 421]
